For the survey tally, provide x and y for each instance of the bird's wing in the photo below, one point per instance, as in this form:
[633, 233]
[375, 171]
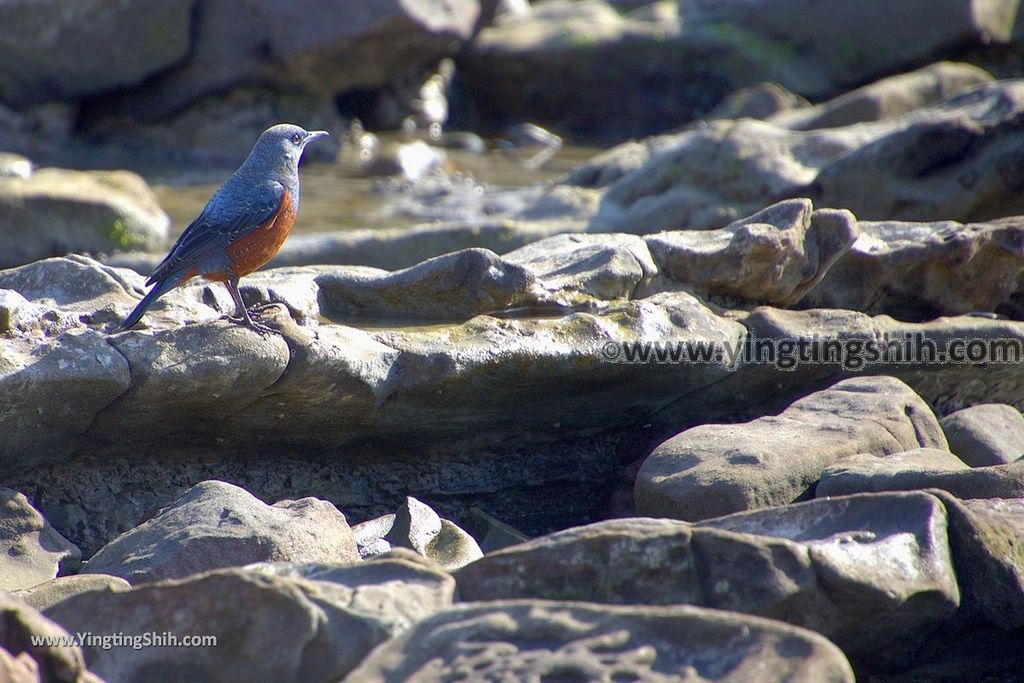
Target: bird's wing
[228, 216]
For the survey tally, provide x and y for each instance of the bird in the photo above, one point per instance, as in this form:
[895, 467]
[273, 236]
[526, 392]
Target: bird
[242, 226]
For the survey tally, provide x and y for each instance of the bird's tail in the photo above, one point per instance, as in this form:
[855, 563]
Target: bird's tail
[135, 316]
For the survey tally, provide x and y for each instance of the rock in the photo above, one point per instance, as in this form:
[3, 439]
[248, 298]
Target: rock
[608, 562]
[930, 357]
[775, 256]
[398, 589]
[836, 566]
[417, 527]
[31, 551]
[820, 34]
[80, 368]
[290, 629]
[214, 525]
[302, 49]
[885, 99]
[917, 271]
[957, 160]
[573, 267]
[697, 53]
[62, 51]
[871, 559]
[760, 101]
[994, 481]
[200, 374]
[462, 284]
[534, 639]
[493, 534]
[894, 472]
[28, 663]
[714, 174]
[985, 538]
[712, 470]
[45, 595]
[987, 434]
[55, 211]
[954, 160]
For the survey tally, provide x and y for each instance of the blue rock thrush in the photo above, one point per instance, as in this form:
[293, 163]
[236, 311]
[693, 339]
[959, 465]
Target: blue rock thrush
[242, 226]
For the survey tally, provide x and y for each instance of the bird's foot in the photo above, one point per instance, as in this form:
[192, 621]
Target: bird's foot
[257, 327]
[259, 308]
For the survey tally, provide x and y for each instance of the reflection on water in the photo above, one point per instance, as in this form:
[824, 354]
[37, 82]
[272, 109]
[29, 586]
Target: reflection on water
[335, 198]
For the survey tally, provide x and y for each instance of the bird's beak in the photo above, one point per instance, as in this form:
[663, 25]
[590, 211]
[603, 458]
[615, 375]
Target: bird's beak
[314, 134]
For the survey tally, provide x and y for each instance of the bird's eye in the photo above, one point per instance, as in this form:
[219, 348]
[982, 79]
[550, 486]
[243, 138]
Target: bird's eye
[296, 139]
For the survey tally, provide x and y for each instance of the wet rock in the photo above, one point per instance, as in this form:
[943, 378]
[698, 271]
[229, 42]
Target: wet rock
[580, 266]
[31, 551]
[28, 663]
[290, 629]
[839, 566]
[55, 211]
[45, 595]
[775, 256]
[398, 589]
[954, 160]
[712, 470]
[918, 271]
[369, 45]
[906, 471]
[66, 51]
[417, 527]
[988, 553]
[987, 434]
[888, 98]
[214, 525]
[538, 639]
[461, 284]
[994, 481]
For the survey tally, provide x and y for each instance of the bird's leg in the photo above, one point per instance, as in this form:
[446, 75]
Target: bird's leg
[244, 319]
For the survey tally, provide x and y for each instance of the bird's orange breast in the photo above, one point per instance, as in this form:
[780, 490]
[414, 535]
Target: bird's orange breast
[251, 251]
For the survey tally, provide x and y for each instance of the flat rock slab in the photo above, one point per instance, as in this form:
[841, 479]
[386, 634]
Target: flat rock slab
[417, 527]
[994, 481]
[540, 640]
[215, 524]
[713, 470]
[895, 472]
[398, 589]
[31, 551]
[267, 628]
[47, 594]
[836, 566]
[986, 434]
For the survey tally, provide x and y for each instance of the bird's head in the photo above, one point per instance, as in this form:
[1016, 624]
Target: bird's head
[285, 142]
